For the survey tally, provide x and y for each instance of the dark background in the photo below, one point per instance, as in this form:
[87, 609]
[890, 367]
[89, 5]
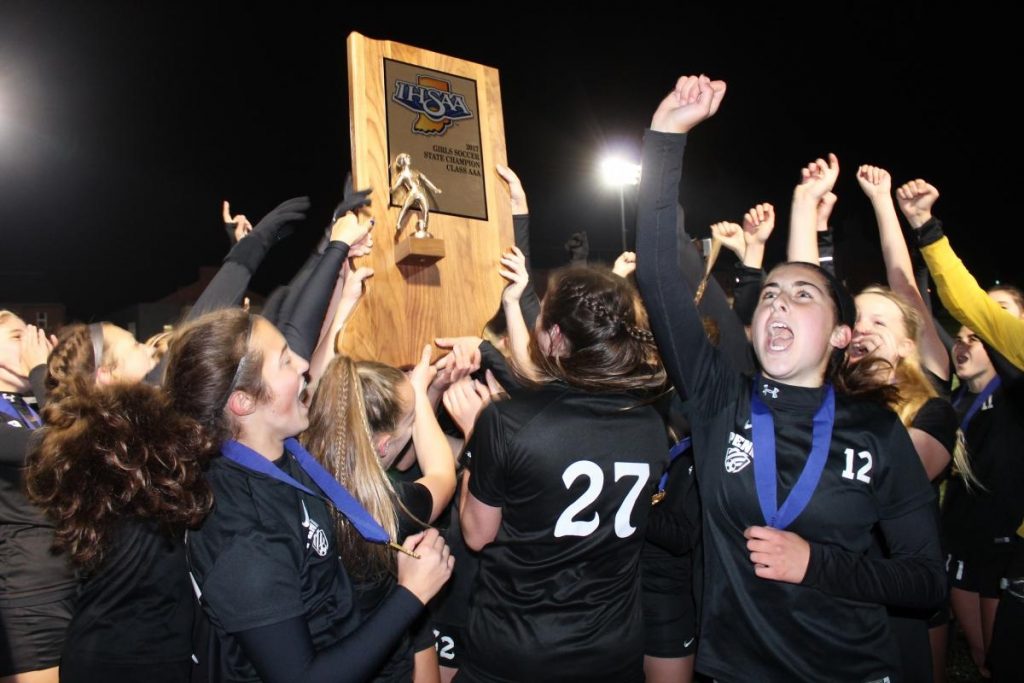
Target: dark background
[123, 125]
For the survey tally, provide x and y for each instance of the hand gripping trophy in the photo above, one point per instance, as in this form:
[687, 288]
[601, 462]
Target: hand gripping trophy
[415, 196]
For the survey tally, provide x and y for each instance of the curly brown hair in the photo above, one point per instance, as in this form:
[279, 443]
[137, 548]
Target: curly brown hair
[108, 453]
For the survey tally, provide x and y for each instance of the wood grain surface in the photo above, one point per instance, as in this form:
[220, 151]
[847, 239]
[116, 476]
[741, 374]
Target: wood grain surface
[406, 307]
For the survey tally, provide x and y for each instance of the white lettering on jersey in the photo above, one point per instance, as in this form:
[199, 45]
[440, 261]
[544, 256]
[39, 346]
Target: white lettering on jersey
[739, 453]
[446, 652]
[315, 536]
[568, 525]
[864, 471]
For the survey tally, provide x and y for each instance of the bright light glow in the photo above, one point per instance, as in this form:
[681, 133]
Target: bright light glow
[617, 172]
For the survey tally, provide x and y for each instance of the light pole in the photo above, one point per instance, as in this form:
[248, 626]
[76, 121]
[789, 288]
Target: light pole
[617, 172]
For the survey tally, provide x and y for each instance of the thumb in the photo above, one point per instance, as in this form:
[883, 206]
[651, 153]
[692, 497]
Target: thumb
[492, 383]
[444, 342]
[481, 391]
[226, 211]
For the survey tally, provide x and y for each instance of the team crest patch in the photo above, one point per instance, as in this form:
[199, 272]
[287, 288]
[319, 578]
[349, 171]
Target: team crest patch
[436, 106]
[316, 538]
[739, 453]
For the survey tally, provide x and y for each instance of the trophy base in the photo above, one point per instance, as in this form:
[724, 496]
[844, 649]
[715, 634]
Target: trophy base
[419, 251]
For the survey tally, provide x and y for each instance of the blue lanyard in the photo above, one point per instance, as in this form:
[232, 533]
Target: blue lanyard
[673, 454]
[765, 475]
[979, 400]
[32, 420]
[364, 523]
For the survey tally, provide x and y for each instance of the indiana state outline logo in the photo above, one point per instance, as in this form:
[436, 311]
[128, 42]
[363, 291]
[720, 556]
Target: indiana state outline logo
[436, 106]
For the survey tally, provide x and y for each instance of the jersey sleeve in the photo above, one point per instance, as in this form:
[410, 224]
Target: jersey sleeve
[489, 459]
[902, 483]
[937, 418]
[912, 575]
[964, 298]
[692, 363]
[417, 500]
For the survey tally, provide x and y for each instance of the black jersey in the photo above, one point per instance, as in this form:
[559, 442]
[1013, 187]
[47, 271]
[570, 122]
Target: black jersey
[938, 419]
[264, 555]
[134, 613]
[30, 572]
[833, 626]
[988, 514]
[369, 594]
[557, 594]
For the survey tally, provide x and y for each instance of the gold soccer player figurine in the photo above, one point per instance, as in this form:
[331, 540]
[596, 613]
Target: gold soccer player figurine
[415, 197]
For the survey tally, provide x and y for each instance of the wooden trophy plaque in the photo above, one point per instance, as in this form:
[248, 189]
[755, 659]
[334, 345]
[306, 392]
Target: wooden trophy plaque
[426, 133]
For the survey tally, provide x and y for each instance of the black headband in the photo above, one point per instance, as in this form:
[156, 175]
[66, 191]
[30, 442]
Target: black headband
[96, 337]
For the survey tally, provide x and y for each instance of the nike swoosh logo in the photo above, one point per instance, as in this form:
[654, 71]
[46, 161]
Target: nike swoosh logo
[687, 643]
[747, 425]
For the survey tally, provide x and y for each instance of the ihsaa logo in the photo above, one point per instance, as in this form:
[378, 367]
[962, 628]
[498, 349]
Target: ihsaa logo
[434, 102]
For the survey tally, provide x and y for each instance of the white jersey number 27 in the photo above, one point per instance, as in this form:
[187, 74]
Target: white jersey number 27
[568, 525]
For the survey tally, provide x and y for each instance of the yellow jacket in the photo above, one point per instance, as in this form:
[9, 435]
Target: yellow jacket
[971, 305]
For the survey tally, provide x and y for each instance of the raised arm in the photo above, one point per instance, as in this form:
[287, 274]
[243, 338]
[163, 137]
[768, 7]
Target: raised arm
[959, 292]
[529, 303]
[713, 304]
[349, 237]
[817, 179]
[434, 455]
[513, 269]
[352, 288]
[244, 258]
[826, 248]
[758, 224]
[877, 185]
[730, 236]
[691, 361]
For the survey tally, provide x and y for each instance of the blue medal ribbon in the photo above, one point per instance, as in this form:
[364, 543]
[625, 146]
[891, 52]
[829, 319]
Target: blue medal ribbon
[364, 523]
[979, 400]
[674, 452]
[765, 474]
[31, 420]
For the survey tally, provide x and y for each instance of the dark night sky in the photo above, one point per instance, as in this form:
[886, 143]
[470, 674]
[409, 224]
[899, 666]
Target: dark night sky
[123, 125]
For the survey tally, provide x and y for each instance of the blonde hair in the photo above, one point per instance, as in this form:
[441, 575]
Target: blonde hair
[349, 399]
[915, 389]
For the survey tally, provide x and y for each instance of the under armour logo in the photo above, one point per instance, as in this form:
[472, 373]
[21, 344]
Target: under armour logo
[770, 391]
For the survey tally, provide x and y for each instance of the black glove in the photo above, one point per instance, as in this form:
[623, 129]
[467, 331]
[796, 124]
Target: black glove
[273, 228]
[353, 200]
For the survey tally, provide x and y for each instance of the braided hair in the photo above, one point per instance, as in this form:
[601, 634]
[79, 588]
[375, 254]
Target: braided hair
[608, 345]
